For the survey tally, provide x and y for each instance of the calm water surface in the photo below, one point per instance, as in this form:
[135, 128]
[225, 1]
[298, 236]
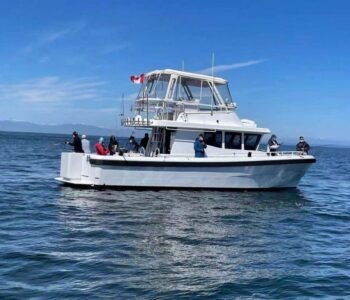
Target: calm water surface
[58, 242]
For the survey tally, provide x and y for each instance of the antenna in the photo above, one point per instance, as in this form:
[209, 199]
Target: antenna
[122, 110]
[123, 113]
[212, 74]
[180, 80]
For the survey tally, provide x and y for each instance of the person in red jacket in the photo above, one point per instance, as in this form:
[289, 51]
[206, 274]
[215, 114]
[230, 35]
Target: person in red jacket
[100, 148]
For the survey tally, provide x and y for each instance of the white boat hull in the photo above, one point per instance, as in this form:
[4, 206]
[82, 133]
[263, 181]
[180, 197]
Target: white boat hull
[185, 172]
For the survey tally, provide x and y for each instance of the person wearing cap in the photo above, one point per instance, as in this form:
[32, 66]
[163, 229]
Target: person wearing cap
[86, 144]
[273, 145]
[100, 148]
[76, 143]
[132, 145]
[303, 145]
[199, 146]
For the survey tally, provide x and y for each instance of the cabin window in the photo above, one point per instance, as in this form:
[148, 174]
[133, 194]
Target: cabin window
[172, 86]
[213, 139]
[188, 89]
[224, 92]
[147, 87]
[251, 141]
[207, 100]
[233, 140]
[155, 87]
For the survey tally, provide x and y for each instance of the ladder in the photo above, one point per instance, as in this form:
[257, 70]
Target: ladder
[156, 143]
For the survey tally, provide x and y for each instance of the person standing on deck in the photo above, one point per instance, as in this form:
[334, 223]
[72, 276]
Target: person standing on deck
[273, 145]
[85, 144]
[76, 143]
[113, 145]
[144, 141]
[303, 145]
[199, 146]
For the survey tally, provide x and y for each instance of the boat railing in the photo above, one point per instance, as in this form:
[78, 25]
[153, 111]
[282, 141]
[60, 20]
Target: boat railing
[277, 153]
[289, 153]
[136, 122]
[256, 154]
[168, 109]
[155, 152]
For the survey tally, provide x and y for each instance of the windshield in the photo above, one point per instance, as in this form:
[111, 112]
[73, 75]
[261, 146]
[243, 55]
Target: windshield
[190, 89]
[155, 86]
[224, 92]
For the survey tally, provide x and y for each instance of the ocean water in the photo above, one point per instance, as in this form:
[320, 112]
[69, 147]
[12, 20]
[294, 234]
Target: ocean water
[58, 242]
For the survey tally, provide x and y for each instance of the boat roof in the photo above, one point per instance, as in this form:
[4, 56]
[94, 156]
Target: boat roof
[188, 74]
[208, 126]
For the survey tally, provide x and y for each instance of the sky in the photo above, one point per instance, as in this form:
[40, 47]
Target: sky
[287, 62]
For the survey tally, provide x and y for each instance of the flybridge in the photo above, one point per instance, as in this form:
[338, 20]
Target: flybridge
[172, 91]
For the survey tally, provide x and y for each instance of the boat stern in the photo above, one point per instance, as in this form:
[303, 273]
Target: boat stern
[74, 169]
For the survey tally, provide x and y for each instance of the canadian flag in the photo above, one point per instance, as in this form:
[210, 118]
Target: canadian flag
[138, 79]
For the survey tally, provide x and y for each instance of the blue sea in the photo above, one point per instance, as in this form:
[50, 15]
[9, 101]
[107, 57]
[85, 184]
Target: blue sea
[59, 242]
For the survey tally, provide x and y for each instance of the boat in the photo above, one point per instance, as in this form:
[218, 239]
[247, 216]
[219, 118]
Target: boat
[175, 107]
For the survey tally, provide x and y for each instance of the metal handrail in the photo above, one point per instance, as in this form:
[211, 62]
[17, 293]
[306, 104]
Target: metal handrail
[136, 122]
[254, 154]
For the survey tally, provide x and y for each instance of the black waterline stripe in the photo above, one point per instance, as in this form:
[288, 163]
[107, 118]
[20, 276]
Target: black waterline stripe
[202, 164]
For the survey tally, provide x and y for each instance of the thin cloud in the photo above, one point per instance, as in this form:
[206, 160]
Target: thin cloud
[53, 36]
[53, 91]
[60, 34]
[113, 48]
[222, 68]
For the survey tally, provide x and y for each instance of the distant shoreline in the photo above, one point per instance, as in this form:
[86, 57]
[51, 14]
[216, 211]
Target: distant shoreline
[140, 136]
[91, 130]
[69, 134]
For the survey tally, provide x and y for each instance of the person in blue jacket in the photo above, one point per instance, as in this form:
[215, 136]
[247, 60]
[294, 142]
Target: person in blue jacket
[199, 146]
[132, 146]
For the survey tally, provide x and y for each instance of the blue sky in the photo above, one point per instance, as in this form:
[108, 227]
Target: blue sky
[288, 62]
